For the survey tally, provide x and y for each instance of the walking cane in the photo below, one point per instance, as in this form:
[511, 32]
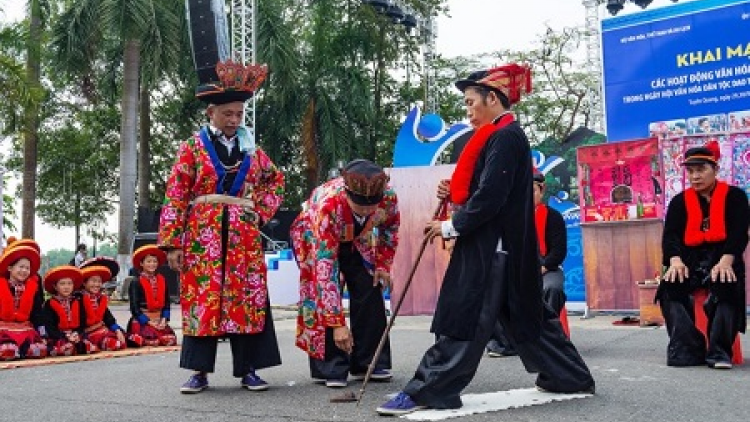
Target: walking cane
[440, 209]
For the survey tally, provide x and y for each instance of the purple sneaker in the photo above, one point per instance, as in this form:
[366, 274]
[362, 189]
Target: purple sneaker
[195, 384]
[253, 382]
[399, 405]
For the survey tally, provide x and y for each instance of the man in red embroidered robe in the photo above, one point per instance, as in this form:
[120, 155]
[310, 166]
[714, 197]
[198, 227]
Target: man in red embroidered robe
[494, 271]
[222, 189]
[346, 235]
[553, 246]
[704, 237]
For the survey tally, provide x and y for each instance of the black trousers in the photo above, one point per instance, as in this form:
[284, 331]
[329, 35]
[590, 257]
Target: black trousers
[687, 345]
[450, 364]
[553, 293]
[249, 351]
[553, 290]
[367, 319]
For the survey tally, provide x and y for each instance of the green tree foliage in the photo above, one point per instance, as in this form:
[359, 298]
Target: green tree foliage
[558, 103]
[342, 76]
[563, 177]
[332, 94]
[17, 92]
[9, 211]
[21, 96]
[148, 36]
[76, 172]
[55, 257]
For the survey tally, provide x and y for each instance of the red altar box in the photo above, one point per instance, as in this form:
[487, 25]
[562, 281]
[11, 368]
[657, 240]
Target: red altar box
[650, 211]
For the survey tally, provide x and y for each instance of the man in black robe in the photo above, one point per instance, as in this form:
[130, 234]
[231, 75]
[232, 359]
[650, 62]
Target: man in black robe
[494, 271]
[705, 235]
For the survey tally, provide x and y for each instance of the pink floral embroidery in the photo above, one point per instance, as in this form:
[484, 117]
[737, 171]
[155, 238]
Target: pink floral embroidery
[217, 305]
[316, 234]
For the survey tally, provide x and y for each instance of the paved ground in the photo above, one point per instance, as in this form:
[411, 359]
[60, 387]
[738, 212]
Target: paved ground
[633, 384]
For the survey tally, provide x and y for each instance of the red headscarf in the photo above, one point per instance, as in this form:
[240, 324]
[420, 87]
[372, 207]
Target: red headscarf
[513, 80]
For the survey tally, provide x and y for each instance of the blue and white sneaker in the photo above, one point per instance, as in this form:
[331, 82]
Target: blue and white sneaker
[253, 382]
[399, 405]
[195, 384]
[382, 375]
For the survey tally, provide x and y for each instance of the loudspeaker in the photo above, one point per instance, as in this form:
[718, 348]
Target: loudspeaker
[148, 219]
[209, 36]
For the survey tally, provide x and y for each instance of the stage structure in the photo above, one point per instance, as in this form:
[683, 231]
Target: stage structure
[244, 44]
[615, 6]
[424, 21]
[594, 63]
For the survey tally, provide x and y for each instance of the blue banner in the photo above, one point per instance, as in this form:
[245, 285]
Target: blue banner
[678, 70]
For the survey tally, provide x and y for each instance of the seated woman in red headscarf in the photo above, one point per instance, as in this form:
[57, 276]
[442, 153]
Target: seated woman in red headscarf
[21, 301]
[101, 326]
[64, 314]
[149, 301]
[704, 238]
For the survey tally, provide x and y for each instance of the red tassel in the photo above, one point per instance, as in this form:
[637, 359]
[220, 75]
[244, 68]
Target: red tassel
[713, 146]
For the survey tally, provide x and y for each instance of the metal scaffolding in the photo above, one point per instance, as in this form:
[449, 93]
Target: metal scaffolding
[594, 64]
[427, 27]
[428, 31]
[244, 42]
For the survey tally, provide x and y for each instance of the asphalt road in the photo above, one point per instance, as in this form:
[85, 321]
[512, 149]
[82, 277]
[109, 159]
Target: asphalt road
[633, 384]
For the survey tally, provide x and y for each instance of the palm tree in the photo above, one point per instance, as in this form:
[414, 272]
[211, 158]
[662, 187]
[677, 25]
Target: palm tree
[145, 32]
[279, 108]
[31, 117]
[21, 103]
[13, 83]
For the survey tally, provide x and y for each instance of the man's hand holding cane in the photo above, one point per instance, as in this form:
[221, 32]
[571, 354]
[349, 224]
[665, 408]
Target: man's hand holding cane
[176, 259]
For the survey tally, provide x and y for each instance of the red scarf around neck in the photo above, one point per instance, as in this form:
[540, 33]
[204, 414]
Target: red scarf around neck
[68, 320]
[95, 306]
[717, 231]
[154, 302]
[540, 217]
[467, 161]
[8, 311]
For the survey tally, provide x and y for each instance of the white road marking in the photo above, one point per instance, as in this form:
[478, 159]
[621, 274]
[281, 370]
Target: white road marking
[492, 402]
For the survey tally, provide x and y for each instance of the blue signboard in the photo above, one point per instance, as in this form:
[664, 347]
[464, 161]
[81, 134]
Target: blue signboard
[682, 69]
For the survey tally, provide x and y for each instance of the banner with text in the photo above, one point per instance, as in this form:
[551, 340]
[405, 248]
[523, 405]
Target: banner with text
[678, 70]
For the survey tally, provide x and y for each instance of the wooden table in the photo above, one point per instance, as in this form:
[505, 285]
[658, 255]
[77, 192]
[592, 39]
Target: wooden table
[616, 255]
